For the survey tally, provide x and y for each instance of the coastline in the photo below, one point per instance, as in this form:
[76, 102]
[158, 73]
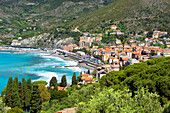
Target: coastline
[55, 55]
[70, 59]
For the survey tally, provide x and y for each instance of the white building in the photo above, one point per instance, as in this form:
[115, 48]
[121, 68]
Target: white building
[15, 42]
[80, 53]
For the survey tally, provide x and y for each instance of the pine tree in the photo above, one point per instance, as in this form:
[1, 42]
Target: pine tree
[53, 83]
[25, 95]
[35, 100]
[8, 94]
[16, 81]
[20, 91]
[15, 96]
[81, 73]
[63, 81]
[74, 80]
[29, 89]
[88, 72]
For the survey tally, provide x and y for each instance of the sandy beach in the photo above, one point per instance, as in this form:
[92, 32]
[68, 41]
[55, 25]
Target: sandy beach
[70, 59]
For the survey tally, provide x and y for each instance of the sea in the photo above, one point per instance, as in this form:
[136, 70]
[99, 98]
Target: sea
[36, 66]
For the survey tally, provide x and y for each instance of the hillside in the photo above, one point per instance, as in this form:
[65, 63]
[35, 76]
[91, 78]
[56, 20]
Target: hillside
[136, 14]
[49, 12]
[27, 18]
[153, 74]
[124, 90]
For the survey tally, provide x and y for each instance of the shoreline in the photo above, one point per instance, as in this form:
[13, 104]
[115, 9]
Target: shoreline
[70, 59]
[55, 55]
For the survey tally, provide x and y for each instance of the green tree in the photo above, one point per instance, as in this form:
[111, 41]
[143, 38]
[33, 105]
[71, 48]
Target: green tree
[45, 95]
[16, 81]
[79, 78]
[25, 95]
[39, 82]
[20, 90]
[53, 83]
[15, 96]
[74, 80]
[8, 94]
[63, 81]
[35, 100]
[29, 89]
[59, 94]
[110, 101]
[88, 72]
[3, 92]
[15, 110]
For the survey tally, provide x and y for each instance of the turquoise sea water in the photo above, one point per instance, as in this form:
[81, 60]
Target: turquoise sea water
[31, 65]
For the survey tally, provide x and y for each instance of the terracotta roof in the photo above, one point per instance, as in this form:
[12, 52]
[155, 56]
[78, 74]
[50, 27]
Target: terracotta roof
[107, 51]
[113, 25]
[134, 52]
[128, 50]
[125, 58]
[60, 88]
[87, 78]
[112, 57]
[154, 49]
[68, 110]
[146, 47]
[70, 85]
[166, 51]
[84, 75]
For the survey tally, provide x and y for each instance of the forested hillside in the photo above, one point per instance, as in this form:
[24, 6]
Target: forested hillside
[142, 87]
[28, 18]
[136, 14]
[153, 74]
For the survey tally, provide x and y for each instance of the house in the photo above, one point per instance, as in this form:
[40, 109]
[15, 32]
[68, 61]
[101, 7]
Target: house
[124, 59]
[131, 40]
[68, 110]
[61, 88]
[15, 42]
[113, 60]
[146, 39]
[131, 61]
[119, 33]
[105, 57]
[98, 39]
[166, 52]
[86, 79]
[128, 52]
[115, 67]
[126, 45]
[133, 45]
[114, 27]
[96, 52]
[145, 32]
[142, 44]
[100, 74]
[118, 41]
[80, 53]
[168, 44]
[155, 35]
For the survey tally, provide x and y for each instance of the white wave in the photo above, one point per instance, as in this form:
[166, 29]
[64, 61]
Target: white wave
[46, 76]
[46, 64]
[53, 57]
[70, 63]
[75, 69]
